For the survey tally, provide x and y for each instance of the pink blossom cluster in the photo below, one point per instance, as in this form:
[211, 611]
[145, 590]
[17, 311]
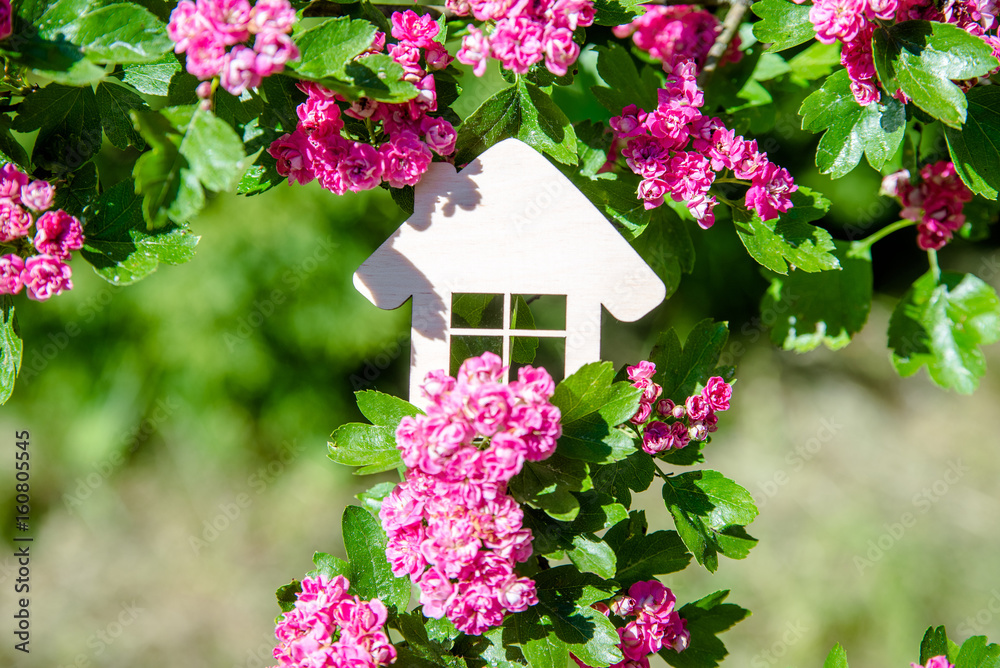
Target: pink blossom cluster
[523, 33]
[657, 150]
[329, 628]
[452, 526]
[853, 23]
[935, 662]
[693, 420]
[6, 19]
[206, 29]
[653, 624]
[406, 135]
[40, 261]
[935, 201]
[672, 34]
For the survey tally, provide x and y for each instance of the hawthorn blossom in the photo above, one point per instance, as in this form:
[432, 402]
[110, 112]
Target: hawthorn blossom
[45, 276]
[935, 202]
[672, 34]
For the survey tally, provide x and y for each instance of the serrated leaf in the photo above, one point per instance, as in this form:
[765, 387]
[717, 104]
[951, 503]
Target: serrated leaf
[116, 104]
[923, 57]
[371, 447]
[523, 111]
[287, 595]
[941, 324]
[645, 556]
[120, 33]
[710, 512]
[10, 149]
[974, 148]
[69, 126]
[326, 49]
[631, 86]
[850, 130]
[789, 239]
[619, 479]
[365, 542]
[11, 347]
[680, 370]
[827, 307]
[976, 653]
[564, 598]
[592, 408]
[837, 658]
[379, 77]
[118, 245]
[372, 498]
[212, 148]
[816, 62]
[547, 484]
[78, 191]
[330, 566]
[616, 12]
[936, 643]
[384, 410]
[152, 78]
[590, 554]
[784, 24]
[706, 618]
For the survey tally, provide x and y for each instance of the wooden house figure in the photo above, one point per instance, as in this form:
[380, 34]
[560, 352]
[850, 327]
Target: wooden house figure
[508, 223]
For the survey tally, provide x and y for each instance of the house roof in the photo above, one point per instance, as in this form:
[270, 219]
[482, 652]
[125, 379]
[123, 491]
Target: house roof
[508, 222]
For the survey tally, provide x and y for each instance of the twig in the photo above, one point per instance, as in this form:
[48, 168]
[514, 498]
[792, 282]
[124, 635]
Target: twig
[737, 8]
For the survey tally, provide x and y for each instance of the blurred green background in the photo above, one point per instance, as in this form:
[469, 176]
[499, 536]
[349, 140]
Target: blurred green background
[179, 426]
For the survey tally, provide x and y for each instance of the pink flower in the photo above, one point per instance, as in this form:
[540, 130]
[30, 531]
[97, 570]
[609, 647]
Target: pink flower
[45, 276]
[656, 437]
[185, 24]
[58, 234]
[12, 180]
[476, 611]
[275, 16]
[439, 135]
[769, 194]
[838, 19]
[5, 19]
[273, 49]
[517, 43]
[935, 662]
[475, 51]
[410, 27]
[362, 169]
[230, 19]
[560, 49]
[319, 115]
[239, 70]
[292, 154]
[436, 592]
[11, 267]
[717, 393]
[681, 436]
[697, 407]
[631, 123]
[518, 594]
[205, 55]
[15, 222]
[405, 159]
[652, 192]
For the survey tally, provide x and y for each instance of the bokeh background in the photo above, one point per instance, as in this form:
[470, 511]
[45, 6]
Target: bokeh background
[179, 428]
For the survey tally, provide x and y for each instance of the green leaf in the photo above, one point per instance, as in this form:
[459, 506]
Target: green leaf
[614, 64]
[522, 348]
[816, 62]
[365, 542]
[784, 25]
[212, 148]
[645, 556]
[564, 598]
[378, 77]
[826, 307]
[371, 499]
[922, 58]
[69, 125]
[547, 484]
[706, 618]
[975, 148]
[592, 408]
[152, 78]
[118, 245]
[837, 658]
[592, 555]
[679, 371]
[120, 33]
[936, 643]
[385, 410]
[373, 448]
[619, 479]
[326, 49]
[78, 191]
[330, 566]
[11, 347]
[116, 104]
[494, 652]
[10, 149]
[616, 12]
[710, 512]
[523, 111]
[975, 653]
[941, 324]
[789, 239]
[287, 595]
[666, 247]
[850, 129]
[412, 626]
[597, 511]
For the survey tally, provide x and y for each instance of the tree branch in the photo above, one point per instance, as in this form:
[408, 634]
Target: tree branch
[737, 8]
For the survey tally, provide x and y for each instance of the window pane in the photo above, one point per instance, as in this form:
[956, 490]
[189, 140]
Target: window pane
[538, 312]
[477, 311]
[464, 347]
[547, 351]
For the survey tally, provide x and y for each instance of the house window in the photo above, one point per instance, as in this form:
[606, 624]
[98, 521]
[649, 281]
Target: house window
[521, 329]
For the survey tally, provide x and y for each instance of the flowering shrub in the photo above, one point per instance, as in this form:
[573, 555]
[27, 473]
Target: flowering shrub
[328, 628]
[38, 262]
